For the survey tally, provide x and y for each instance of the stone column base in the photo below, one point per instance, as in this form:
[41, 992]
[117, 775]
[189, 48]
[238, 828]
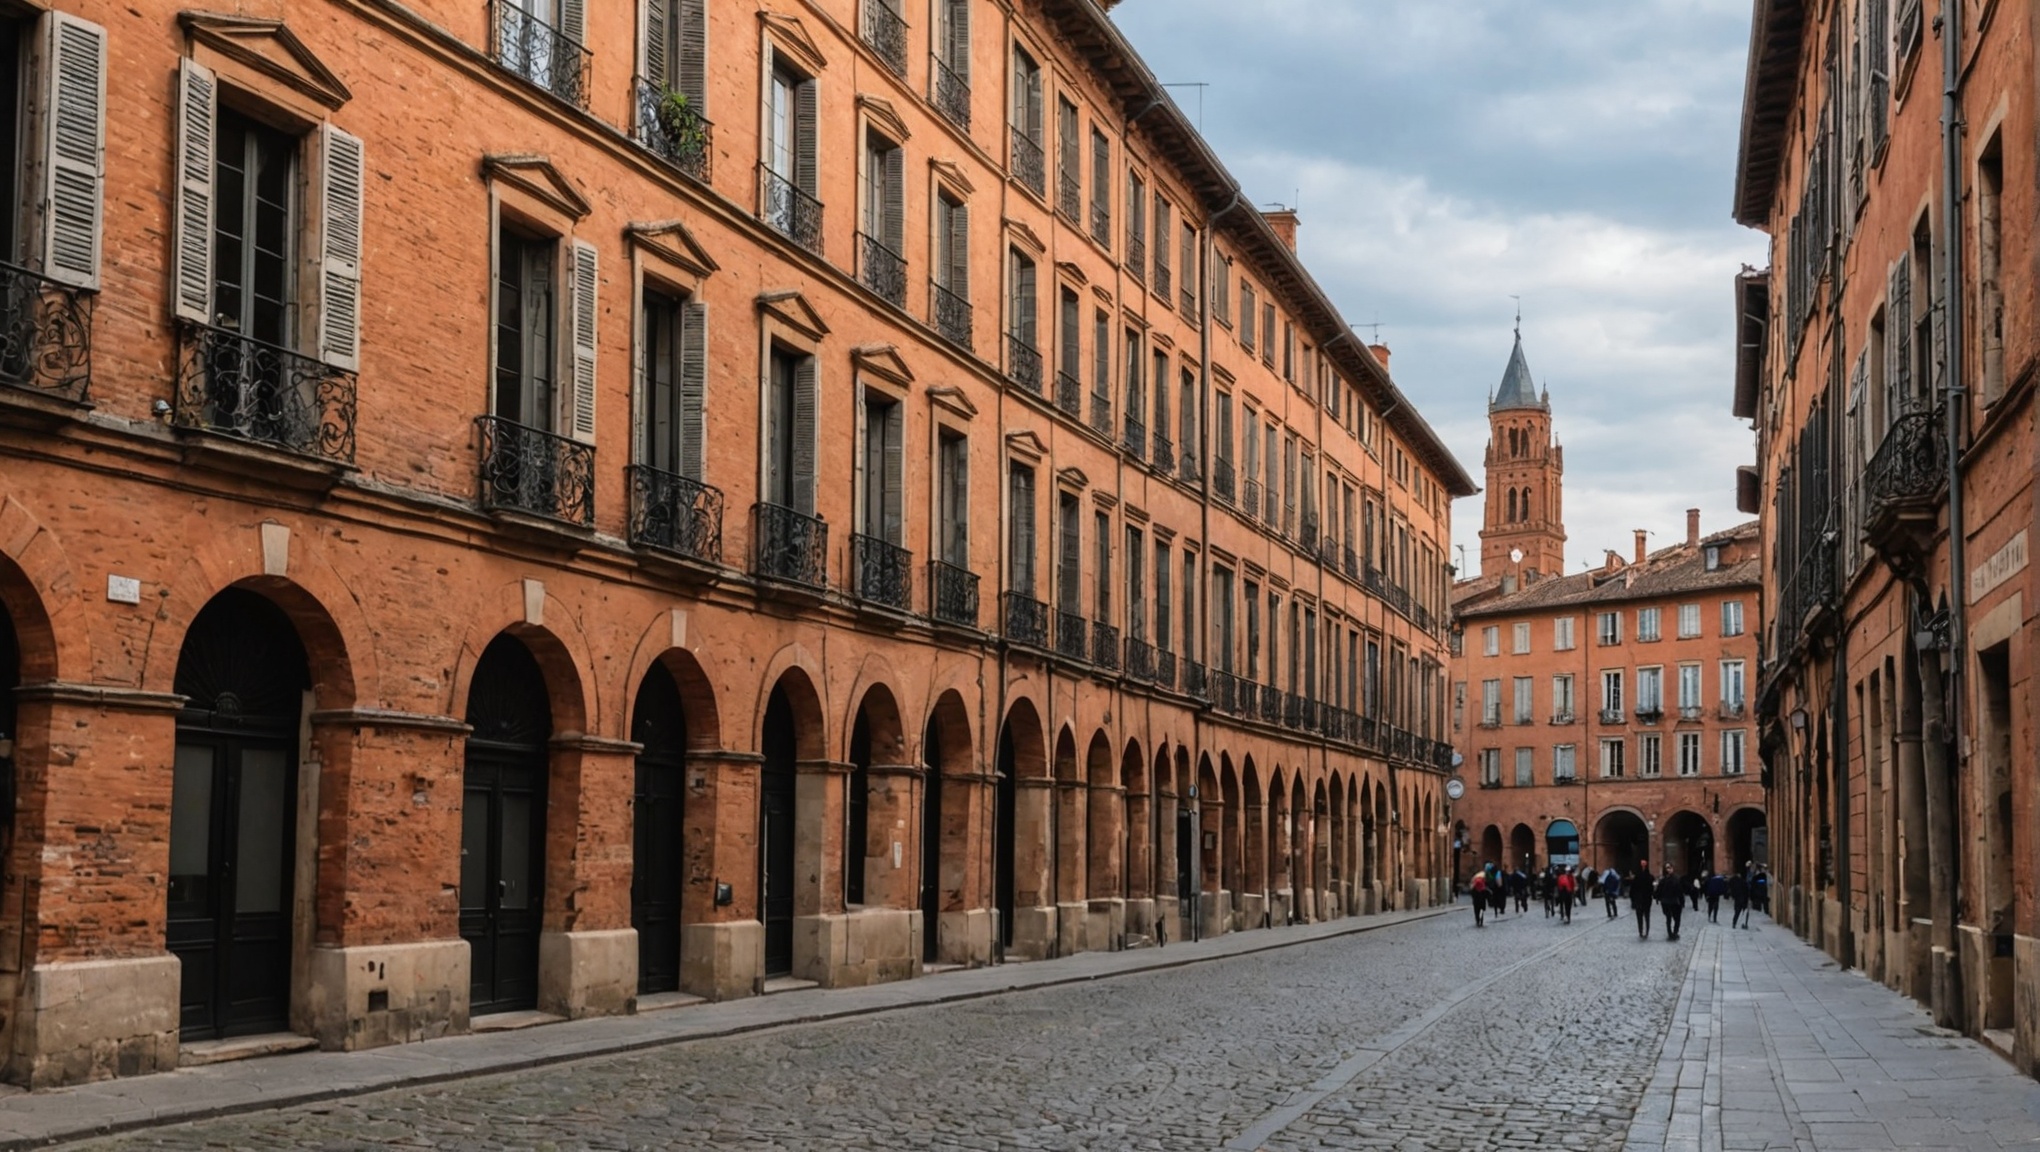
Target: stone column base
[588, 973]
[1214, 912]
[1413, 894]
[367, 996]
[1105, 925]
[852, 949]
[2026, 1004]
[965, 937]
[78, 1021]
[1252, 912]
[722, 961]
[1070, 917]
[1033, 933]
[1278, 907]
[1139, 931]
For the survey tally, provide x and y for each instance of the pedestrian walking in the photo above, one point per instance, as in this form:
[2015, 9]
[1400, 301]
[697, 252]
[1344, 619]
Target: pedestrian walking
[1611, 891]
[1565, 885]
[1672, 900]
[1760, 892]
[1498, 900]
[1547, 891]
[1717, 884]
[1642, 890]
[1480, 899]
[1738, 901]
[1519, 887]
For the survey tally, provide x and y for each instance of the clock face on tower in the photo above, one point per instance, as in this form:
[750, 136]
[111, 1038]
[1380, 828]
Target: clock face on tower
[1515, 555]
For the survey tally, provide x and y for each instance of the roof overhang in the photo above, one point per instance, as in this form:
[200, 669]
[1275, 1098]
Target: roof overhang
[1777, 36]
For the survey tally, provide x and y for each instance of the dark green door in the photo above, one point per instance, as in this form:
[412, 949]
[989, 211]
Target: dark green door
[502, 841]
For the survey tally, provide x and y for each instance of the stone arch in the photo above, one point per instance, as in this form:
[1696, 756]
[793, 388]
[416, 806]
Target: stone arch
[1688, 843]
[656, 645]
[1210, 818]
[1254, 835]
[1522, 848]
[1021, 842]
[1104, 801]
[877, 800]
[1621, 839]
[1069, 820]
[1335, 872]
[875, 675]
[946, 871]
[1231, 873]
[39, 591]
[1137, 850]
[796, 670]
[1742, 826]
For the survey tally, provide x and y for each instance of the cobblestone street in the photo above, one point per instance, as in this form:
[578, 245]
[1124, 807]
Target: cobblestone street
[1419, 1035]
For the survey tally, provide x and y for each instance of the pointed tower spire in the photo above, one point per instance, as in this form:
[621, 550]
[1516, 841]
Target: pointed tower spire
[1524, 526]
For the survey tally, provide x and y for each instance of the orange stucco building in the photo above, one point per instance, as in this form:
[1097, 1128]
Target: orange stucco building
[543, 507]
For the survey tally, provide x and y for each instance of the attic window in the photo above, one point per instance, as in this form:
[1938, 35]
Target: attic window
[1712, 554]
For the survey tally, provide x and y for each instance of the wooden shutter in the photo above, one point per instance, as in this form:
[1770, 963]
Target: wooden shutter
[1898, 336]
[583, 306]
[690, 72]
[891, 520]
[894, 221]
[1068, 575]
[1161, 240]
[958, 28]
[693, 387]
[806, 114]
[574, 20]
[804, 401]
[653, 66]
[196, 131]
[340, 193]
[74, 157]
[959, 250]
[1023, 300]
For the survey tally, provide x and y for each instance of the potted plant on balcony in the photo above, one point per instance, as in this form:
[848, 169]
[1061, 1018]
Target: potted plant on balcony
[680, 123]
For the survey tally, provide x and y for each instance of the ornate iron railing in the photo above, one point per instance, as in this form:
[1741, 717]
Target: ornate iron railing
[1161, 277]
[1908, 466]
[1101, 415]
[1105, 645]
[1136, 254]
[242, 387]
[1352, 559]
[1271, 704]
[528, 46]
[1135, 438]
[1186, 466]
[672, 130]
[952, 594]
[1165, 668]
[949, 92]
[1196, 680]
[881, 269]
[675, 514]
[1140, 659]
[1069, 195]
[527, 469]
[951, 313]
[45, 335]
[886, 32]
[1069, 394]
[1225, 692]
[1162, 454]
[1809, 589]
[792, 212]
[1269, 513]
[1025, 161]
[1101, 220]
[884, 571]
[789, 545]
[1222, 479]
[1023, 363]
[1307, 531]
[1072, 638]
[1026, 620]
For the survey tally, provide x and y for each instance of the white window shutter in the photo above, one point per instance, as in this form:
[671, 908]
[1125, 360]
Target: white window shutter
[806, 396]
[197, 126]
[74, 162]
[584, 285]
[693, 387]
[574, 20]
[652, 64]
[690, 72]
[340, 191]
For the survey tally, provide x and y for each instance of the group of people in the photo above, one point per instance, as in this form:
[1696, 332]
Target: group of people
[1560, 887]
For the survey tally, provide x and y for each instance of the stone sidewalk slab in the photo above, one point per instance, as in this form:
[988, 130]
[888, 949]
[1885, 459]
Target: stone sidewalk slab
[1800, 1055]
[111, 1106]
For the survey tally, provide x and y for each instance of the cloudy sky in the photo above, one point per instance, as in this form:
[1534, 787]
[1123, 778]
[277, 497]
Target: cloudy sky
[1446, 154]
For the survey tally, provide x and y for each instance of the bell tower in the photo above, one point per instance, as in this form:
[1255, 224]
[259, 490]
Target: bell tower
[1523, 531]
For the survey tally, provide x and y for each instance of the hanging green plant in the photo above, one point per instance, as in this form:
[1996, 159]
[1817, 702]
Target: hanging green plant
[685, 131]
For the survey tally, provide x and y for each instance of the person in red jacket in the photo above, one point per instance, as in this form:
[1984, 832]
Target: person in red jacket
[1479, 889]
[1566, 887]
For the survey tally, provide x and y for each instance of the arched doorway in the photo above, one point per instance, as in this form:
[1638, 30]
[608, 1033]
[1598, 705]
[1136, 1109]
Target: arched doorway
[1746, 836]
[945, 750]
[658, 877]
[1562, 843]
[1621, 841]
[10, 679]
[1104, 858]
[1022, 869]
[502, 826]
[1254, 849]
[777, 787]
[233, 812]
[1491, 850]
[1689, 844]
[1522, 849]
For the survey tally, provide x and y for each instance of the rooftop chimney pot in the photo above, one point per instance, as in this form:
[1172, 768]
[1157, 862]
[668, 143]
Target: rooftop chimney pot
[1642, 546]
[1692, 526]
[1380, 350]
[1283, 220]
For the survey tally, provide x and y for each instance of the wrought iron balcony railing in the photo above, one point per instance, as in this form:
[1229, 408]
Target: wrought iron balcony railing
[949, 92]
[1101, 221]
[1025, 161]
[1250, 498]
[884, 571]
[1908, 468]
[1271, 704]
[1352, 564]
[1186, 467]
[527, 469]
[670, 127]
[675, 514]
[1649, 713]
[1225, 692]
[1104, 645]
[952, 594]
[951, 314]
[1186, 301]
[239, 386]
[1069, 195]
[1026, 620]
[528, 46]
[1165, 669]
[1101, 414]
[886, 32]
[1136, 254]
[1161, 276]
[45, 335]
[1565, 717]
[1307, 531]
[1612, 716]
[1222, 479]
[1140, 659]
[1269, 512]
[1729, 710]
[1023, 363]
[789, 545]
[1162, 453]
[792, 212]
[1069, 394]
[881, 269]
[1072, 637]
[1196, 679]
[1135, 438]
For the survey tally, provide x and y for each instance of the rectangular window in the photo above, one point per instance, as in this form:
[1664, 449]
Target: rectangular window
[1490, 703]
[1520, 639]
[1562, 633]
[1069, 563]
[1021, 317]
[1069, 167]
[1268, 334]
[1101, 373]
[1163, 237]
[1732, 685]
[1611, 694]
[952, 262]
[1222, 618]
[1189, 593]
[793, 109]
[675, 370]
[1732, 752]
[790, 431]
[1731, 618]
[1187, 272]
[1689, 691]
[1689, 621]
[1101, 588]
[1025, 161]
[1252, 599]
[1248, 313]
[882, 239]
[1689, 753]
[1647, 625]
[1491, 767]
[1612, 767]
[1526, 760]
[1650, 756]
[1608, 627]
[1526, 699]
[1222, 442]
[1650, 691]
[525, 326]
[953, 500]
[881, 465]
[1564, 763]
[1136, 226]
[1491, 640]
[1101, 187]
[1164, 619]
[1562, 698]
[1136, 584]
[1020, 538]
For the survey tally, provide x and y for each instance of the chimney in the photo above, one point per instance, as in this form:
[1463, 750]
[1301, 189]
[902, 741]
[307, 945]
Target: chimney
[1508, 583]
[1611, 561]
[1692, 526]
[1283, 220]
[1380, 350]
[1642, 548]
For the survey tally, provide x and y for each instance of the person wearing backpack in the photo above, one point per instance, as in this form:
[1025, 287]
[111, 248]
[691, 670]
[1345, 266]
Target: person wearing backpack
[1479, 889]
[1642, 893]
[1565, 885]
[1611, 891]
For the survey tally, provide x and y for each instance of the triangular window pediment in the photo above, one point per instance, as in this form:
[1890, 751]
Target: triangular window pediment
[1026, 444]
[881, 113]
[793, 308]
[536, 176]
[951, 397]
[270, 48]
[672, 241]
[790, 34]
[883, 361]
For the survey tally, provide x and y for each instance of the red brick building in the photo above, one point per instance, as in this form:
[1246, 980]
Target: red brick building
[1602, 716]
[550, 507]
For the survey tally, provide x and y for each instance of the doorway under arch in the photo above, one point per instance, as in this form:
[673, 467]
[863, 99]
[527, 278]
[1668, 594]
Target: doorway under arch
[658, 725]
[1621, 841]
[502, 842]
[1746, 839]
[1689, 844]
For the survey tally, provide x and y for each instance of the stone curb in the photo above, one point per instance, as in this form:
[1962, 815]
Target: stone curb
[111, 1107]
